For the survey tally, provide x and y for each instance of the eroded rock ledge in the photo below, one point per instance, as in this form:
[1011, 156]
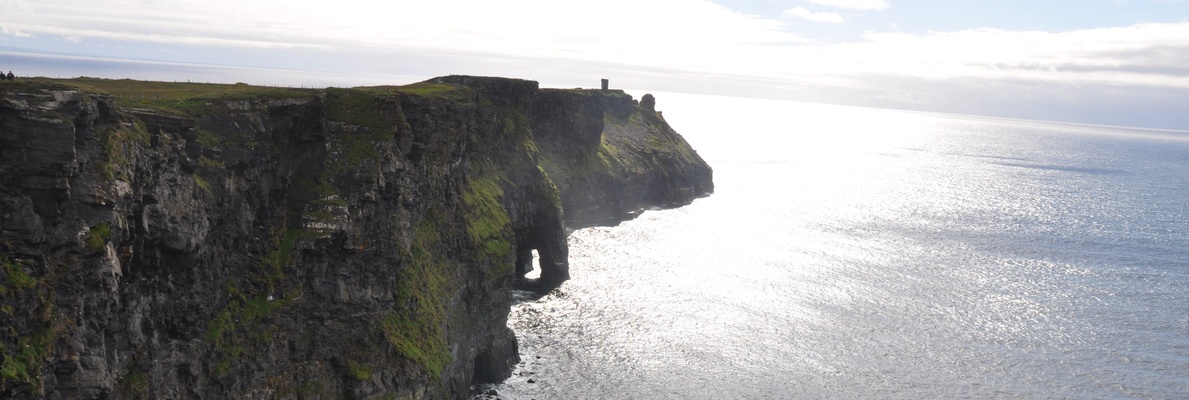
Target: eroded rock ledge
[229, 241]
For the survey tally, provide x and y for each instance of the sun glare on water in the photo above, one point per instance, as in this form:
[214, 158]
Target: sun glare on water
[865, 253]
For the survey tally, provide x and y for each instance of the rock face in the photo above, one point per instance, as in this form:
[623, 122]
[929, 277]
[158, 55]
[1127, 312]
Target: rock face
[337, 243]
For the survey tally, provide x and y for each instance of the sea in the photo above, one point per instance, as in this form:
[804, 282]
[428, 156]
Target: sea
[857, 253]
[854, 253]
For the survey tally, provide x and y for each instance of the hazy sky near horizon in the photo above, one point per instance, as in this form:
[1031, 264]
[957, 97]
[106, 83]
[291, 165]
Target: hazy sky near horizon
[1123, 62]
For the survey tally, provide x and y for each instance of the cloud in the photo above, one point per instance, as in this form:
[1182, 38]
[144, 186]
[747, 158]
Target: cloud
[14, 32]
[690, 45]
[654, 32]
[853, 4]
[803, 13]
[681, 36]
[1143, 54]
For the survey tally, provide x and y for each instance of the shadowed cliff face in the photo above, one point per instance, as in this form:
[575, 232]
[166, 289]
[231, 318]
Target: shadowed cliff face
[337, 243]
[610, 158]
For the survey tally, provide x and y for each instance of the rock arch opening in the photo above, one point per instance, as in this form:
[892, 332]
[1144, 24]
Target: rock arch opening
[530, 266]
[541, 267]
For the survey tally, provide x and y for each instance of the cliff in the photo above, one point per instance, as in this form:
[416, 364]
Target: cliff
[228, 241]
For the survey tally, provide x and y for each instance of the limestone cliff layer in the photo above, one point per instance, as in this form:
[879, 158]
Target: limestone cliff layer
[239, 242]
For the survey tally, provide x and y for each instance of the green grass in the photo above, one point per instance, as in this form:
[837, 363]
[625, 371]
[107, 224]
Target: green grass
[325, 202]
[551, 191]
[238, 324]
[416, 328]
[20, 352]
[116, 142]
[488, 224]
[202, 183]
[15, 277]
[97, 236]
[603, 162]
[32, 85]
[359, 371]
[193, 99]
[207, 138]
[356, 150]
[427, 88]
[181, 98]
[365, 109]
[515, 124]
[357, 107]
[420, 88]
[22, 365]
[205, 162]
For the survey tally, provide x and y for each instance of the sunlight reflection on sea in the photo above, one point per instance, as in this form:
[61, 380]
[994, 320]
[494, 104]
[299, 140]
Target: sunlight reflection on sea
[862, 253]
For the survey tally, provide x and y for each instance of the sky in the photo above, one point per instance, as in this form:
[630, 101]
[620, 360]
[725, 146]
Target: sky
[1114, 62]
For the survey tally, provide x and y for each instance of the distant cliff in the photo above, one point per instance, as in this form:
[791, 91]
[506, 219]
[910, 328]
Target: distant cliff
[189, 241]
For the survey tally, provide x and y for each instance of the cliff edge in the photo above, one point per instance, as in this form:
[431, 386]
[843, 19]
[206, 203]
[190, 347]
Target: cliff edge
[169, 240]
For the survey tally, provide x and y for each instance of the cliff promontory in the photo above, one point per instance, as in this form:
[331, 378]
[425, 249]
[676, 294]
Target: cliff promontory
[184, 241]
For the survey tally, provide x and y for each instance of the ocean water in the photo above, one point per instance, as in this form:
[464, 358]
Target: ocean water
[864, 253]
[854, 253]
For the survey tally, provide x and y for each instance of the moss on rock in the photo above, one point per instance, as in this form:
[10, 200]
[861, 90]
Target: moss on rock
[250, 302]
[416, 326]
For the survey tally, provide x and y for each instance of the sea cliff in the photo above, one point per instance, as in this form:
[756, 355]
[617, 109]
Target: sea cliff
[188, 241]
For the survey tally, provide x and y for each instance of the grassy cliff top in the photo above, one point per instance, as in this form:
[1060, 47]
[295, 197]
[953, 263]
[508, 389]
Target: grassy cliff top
[189, 98]
[193, 99]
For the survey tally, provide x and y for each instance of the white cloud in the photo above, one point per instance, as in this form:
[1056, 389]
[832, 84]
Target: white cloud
[679, 36]
[14, 32]
[656, 32]
[692, 41]
[803, 13]
[1144, 54]
[853, 4]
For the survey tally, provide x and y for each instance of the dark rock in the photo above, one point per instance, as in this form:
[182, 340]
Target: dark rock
[338, 243]
[648, 102]
[634, 161]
